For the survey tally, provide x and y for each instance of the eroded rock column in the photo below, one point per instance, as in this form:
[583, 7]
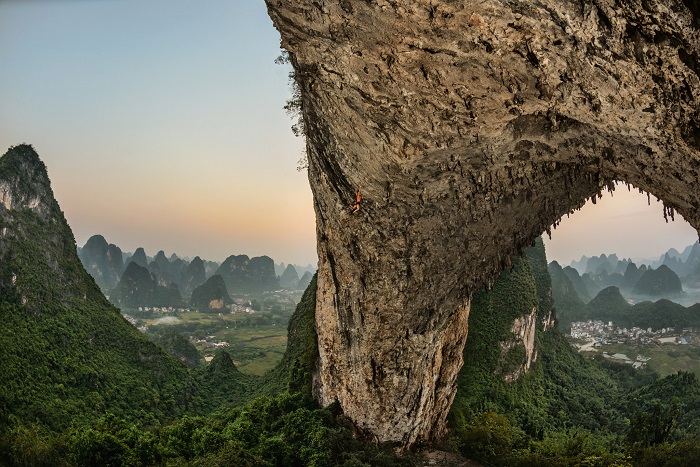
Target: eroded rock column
[470, 128]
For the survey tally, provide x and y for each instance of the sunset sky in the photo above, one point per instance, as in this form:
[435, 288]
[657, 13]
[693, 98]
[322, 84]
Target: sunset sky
[162, 126]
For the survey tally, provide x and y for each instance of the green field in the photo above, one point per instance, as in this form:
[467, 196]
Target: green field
[665, 359]
[255, 350]
[256, 341]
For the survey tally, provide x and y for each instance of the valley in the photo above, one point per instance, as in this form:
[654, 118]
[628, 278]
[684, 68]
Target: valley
[664, 353]
[664, 359]
[225, 378]
[255, 339]
[611, 314]
[241, 306]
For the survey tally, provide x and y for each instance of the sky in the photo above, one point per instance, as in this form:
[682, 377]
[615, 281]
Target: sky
[624, 222]
[161, 123]
[162, 126]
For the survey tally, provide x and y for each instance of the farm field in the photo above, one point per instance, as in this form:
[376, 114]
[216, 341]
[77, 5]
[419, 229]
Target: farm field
[665, 359]
[256, 341]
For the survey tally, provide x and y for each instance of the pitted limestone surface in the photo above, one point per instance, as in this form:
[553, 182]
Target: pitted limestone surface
[470, 128]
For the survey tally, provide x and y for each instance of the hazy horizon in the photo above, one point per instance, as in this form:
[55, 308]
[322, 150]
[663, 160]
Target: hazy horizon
[168, 254]
[162, 126]
[625, 223]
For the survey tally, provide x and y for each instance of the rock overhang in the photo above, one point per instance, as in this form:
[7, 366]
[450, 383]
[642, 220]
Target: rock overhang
[471, 128]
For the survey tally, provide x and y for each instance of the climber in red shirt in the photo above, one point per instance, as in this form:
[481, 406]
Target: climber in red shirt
[356, 204]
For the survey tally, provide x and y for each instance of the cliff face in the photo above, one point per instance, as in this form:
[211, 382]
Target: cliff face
[470, 128]
[522, 344]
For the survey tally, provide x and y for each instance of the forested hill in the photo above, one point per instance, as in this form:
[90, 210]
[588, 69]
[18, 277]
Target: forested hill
[66, 353]
[566, 410]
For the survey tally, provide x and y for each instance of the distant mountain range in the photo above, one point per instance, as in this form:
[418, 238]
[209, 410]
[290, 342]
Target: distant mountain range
[301, 270]
[638, 283]
[624, 298]
[677, 279]
[657, 293]
[685, 264]
[132, 280]
[290, 278]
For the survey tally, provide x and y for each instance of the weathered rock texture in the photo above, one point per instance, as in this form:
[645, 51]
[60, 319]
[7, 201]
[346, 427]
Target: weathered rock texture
[471, 128]
[524, 330]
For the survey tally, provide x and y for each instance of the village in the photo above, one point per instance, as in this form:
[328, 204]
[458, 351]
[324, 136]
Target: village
[602, 333]
[163, 309]
[596, 334]
[238, 306]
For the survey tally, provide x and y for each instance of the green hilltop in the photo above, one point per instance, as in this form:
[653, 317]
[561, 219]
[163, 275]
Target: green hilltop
[65, 352]
[661, 281]
[82, 386]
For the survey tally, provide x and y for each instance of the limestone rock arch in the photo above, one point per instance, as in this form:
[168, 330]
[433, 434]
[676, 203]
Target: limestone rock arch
[470, 128]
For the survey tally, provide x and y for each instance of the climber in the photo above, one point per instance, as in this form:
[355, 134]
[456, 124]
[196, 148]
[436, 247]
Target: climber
[356, 204]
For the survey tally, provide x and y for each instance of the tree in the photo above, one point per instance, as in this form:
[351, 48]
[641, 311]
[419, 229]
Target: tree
[294, 107]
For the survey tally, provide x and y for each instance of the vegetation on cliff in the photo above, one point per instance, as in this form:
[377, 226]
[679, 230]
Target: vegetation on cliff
[229, 422]
[103, 261]
[564, 411]
[180, 347]
[139, 287]
[81, 386]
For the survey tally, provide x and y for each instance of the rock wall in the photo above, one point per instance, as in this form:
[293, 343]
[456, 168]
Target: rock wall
[524, 333]
[470, 128]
